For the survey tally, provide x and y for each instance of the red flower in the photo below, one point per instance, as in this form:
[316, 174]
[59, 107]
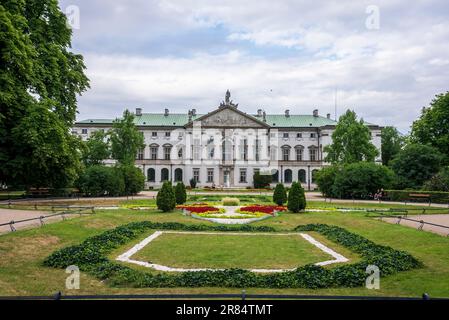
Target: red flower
[268, 209]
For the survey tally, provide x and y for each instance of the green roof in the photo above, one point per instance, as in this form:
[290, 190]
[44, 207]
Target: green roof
[181, 119]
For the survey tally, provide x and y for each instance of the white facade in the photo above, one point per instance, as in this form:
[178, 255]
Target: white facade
[225, 147]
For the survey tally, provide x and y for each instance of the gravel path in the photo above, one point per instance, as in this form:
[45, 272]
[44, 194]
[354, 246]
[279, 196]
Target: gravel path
[6, 215]
[441, 219]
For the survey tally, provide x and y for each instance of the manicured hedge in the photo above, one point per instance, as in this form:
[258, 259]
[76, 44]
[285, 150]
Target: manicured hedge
[403, 195]
[90, 256]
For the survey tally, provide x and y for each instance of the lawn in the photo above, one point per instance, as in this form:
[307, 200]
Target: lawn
[231, 251]
[22, 254]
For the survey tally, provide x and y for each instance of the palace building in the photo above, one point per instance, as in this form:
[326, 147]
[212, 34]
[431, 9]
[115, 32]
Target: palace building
[226, 147]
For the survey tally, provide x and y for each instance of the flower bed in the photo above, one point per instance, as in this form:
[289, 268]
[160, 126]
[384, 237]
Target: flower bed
[201, 209]
[261, 209]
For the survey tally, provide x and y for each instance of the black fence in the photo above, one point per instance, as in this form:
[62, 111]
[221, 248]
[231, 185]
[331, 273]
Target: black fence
[231, 296]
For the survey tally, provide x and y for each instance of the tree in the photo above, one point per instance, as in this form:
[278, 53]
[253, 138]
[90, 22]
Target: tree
[392, 143]
[279, 195]
[165, 198]
[99, 180]
[351, 141]
[415, 164]
[296, 198]
[126, 139]
[96, 149]
[325, 179]
[133, 177]
[439, 182]
[180, 193]
[432, 127]
[40, 80]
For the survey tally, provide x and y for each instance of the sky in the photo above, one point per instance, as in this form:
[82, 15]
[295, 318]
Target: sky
[384, 59]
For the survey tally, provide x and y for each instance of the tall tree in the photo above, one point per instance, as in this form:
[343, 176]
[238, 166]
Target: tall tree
[392, 143]
[126, 139]
[96, 148]
[39, 83]
[432, 127]
[351, 141]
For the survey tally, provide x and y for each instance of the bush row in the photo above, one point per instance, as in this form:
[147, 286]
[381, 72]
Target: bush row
[90, 256]
[403, 195]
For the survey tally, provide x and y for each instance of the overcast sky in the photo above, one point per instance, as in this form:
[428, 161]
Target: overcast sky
[273, 55]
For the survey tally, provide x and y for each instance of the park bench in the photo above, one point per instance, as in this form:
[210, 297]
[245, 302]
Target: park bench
[420, 196]
[34, 192]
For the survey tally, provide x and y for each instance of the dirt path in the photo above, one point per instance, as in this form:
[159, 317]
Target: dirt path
[440, 219]
[7, 215]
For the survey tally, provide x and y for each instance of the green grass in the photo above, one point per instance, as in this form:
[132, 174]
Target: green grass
[231, 251]
[22, 253]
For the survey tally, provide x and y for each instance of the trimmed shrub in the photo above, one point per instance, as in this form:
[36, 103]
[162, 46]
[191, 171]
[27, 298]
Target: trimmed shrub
[261, 180]
[180, 193]
[91, 256]
[279, 194]
[165, 199]
[192, 183]
[230, 201]
[296, 198]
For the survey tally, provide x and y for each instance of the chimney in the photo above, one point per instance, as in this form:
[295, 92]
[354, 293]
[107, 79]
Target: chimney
[194, 112]
[259, 112]
[264, 115]
[328, 116]
[190, 115]
[166, 112]
[138, 112]
[287, 113]
[315, 113]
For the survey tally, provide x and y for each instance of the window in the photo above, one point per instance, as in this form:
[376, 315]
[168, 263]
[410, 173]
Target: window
[256, 171]
[275, 177]
[285, 135]
[244, 149]
[83, 131]
[178, 174]
[299, 152]
[151, 175]
[167, 134]
[313, 153]
[140, 154]
[167, 152]
[273, 153]
[257, 150]
[242, 175]
[164, 174]
[196, 149]
[196, 175]
[312, 135]
[288, 176]
[299, 135]
[210, 175]
[302, 176]
[154, 134]
[180, 153]
[286, 153]
[153, 152]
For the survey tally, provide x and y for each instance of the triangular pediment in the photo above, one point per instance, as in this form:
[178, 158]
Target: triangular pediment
[229, 117]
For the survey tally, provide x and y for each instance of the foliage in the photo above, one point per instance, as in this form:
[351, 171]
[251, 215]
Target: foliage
[392, 143]
[230, 201]
[351, 141]
[416, 164]
[180, 193]
[90, 256]
[432, 128]
[439, 182]
[193, 183]
[133, 177]
[99, 180]
[404, 195]
[357, 180]
[296, 198]
[39, 81]
[96, 148]
[279, 194]
[126, 139]
[261, 180]
[165, 198]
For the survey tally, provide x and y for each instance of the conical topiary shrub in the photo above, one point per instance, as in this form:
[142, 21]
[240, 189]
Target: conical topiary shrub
[296, 198]
[279, 194]
[165, 199]
[180, 193]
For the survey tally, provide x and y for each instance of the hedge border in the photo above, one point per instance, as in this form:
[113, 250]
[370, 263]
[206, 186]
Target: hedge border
[90, 256]
[403, 195]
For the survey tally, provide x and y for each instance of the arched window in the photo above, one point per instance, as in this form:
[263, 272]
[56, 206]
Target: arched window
[164, 174]
[314, 172]
[299, 152]
[288, 176]
[285, 153]
[275, 176]
[167, 151]
[178, 174]
[302, 175]
[151, 175]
